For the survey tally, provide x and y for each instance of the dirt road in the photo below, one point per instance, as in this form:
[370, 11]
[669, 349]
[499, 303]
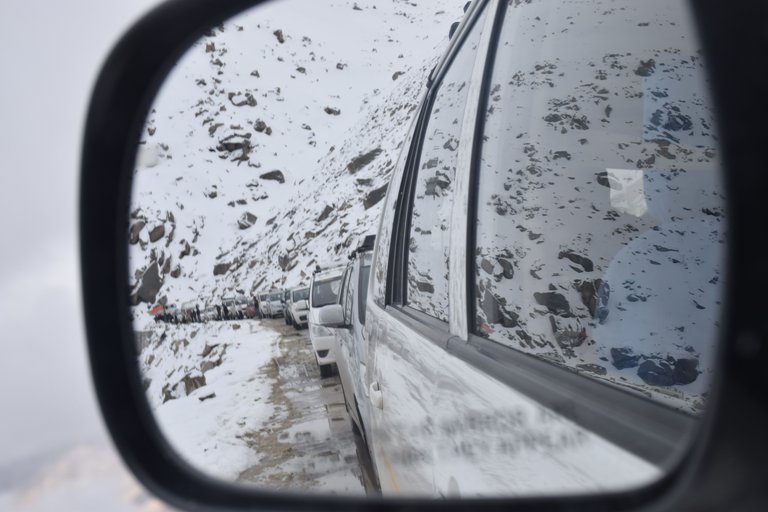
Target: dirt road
[308, 444]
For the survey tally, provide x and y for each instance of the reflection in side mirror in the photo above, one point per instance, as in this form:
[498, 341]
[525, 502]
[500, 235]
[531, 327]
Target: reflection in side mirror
[278, 144]
[331, 316]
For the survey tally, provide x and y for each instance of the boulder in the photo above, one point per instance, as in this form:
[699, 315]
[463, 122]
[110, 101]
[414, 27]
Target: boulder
[275, 175]
[686, 370]
[167, 393]
[150, 284]
[555, 302]
[246, 220]
[221, 268]
[186, 250]
[157, 233]
[325, 213]
[656, 374]
[508, 270]
[136, 231]
[374, 196]
[209, 365]
[362, 160]
[583, 261]
[624, 358]
[193, 383]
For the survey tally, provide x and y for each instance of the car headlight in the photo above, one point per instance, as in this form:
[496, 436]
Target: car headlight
[319, 330]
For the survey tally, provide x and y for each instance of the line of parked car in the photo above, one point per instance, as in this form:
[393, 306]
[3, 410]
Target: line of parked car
[300, 307]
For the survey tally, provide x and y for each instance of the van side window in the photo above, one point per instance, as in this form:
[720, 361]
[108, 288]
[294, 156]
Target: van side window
[600, 209]
[427, 282]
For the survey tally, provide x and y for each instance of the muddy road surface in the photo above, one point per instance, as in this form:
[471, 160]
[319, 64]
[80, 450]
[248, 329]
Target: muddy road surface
[308, 443]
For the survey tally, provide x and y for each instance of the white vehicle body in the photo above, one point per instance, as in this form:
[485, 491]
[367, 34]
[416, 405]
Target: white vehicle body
[271, 304]
[323, 290]
[298, 306]
[488, 368]
[351, 346]
[210, 314]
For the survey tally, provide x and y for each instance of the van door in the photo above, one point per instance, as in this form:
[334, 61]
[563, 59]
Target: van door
[406, 375]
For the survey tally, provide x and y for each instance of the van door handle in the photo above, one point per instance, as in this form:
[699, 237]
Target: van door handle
[377, 399]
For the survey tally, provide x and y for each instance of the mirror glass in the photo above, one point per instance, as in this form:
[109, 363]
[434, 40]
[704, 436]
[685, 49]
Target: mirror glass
[370, 258]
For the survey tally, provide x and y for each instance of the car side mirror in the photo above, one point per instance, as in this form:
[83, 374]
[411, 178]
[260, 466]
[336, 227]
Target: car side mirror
[566, 411]
[332, 316]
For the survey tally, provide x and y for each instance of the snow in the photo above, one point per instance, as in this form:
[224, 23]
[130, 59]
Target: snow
[191, 174]
[209, 432]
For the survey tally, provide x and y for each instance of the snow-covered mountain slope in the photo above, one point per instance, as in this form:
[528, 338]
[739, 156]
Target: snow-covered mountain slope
[207, 387]
[270, 146]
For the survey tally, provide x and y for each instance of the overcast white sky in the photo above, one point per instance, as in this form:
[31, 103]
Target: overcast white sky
[52, 442]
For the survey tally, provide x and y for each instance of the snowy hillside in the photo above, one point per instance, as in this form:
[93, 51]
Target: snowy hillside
[270, 146]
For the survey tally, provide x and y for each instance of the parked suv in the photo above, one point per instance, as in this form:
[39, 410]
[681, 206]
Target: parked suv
[323, 290]
[545, 288]
[297, 307]
[347, 318]
[270, 304]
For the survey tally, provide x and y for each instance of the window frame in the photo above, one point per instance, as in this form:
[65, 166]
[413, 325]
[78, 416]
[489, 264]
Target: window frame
[362, 288]
[397, 284]
[344, 292]
[646, 428]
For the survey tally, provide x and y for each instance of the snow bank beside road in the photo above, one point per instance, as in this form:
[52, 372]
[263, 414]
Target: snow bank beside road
[204, 384]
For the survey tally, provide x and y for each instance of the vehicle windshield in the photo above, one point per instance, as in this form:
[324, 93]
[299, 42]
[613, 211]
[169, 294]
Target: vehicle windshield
[275, 296]
[325, 292]
[302, 294]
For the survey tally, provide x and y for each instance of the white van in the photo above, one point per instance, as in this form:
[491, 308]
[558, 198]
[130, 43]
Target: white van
[297, 306]
[546, 285]
[347, 318]
[324, 290]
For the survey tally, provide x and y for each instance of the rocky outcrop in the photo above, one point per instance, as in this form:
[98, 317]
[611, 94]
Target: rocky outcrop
[221, 268]
[157, 233]
[136, 231]
[192, 383]
[362, 160]
[374, 196]
[246, 220]
[150, 284]
[555, 302]
[275, 175]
